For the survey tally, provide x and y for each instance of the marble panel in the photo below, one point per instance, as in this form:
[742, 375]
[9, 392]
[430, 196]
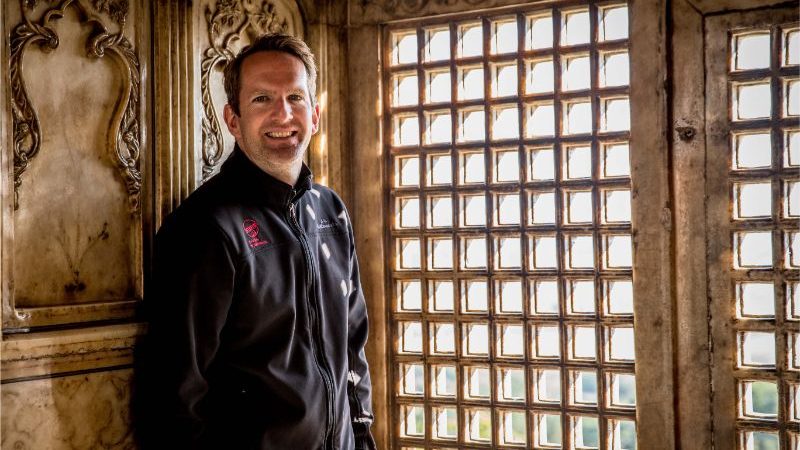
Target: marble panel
[73, 221]
[88, 411]
[29, 355]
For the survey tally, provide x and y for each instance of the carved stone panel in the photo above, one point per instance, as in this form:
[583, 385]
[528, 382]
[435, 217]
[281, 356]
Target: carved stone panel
[228, 26]
[77, 140]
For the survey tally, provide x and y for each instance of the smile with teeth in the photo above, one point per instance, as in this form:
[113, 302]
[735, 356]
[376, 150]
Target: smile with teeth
[280, 134]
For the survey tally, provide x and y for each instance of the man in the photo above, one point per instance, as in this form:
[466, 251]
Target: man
[257, 319]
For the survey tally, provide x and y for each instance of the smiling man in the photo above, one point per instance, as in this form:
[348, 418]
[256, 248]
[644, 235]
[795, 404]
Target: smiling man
[257, 319]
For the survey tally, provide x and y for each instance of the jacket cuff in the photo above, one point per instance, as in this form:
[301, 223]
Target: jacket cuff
[363, 437]
[366, 443]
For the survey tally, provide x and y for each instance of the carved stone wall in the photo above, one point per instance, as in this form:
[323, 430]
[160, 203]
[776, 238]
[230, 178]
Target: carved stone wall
[77, 139]
[175, 90]
[111, 116]
[75, 217]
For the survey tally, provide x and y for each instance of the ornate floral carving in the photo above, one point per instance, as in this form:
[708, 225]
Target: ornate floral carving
[27, 132]
[127, 119]
[228, 13]
[226, 23]
[266, 20]
[116, 9]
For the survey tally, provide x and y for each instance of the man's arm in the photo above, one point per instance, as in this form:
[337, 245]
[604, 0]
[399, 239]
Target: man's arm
[192, 283]
[359, 388]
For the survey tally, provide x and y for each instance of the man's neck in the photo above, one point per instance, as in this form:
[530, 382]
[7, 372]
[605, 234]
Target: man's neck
[287, 173]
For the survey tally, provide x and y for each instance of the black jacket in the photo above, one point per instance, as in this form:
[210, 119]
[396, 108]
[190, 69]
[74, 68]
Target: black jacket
[257, 320]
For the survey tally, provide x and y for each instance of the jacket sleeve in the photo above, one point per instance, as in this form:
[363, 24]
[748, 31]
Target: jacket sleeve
[192, 286]
[359, 388]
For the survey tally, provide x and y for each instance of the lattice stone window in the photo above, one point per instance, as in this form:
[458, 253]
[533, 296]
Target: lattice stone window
[507, 138]
[765, 208]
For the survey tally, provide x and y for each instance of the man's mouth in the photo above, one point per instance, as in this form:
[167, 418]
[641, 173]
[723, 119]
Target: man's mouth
[280, 134]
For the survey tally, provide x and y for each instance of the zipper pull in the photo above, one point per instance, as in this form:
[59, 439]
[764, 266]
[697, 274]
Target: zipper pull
[291, 211]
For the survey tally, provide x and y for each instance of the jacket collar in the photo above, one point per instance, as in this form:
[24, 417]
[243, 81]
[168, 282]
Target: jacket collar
[261, 186]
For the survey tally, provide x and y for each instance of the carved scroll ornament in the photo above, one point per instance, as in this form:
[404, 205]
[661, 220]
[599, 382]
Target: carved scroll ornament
[226, 24]
[27, 131]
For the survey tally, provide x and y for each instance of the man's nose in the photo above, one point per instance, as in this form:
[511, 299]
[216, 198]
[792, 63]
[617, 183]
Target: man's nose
[281, 110]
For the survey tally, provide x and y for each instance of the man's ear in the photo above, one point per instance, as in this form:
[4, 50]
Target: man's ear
[232, 121]
[315, 119]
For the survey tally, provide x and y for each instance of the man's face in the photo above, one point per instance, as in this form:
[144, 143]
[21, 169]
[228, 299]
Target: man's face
[276, 120]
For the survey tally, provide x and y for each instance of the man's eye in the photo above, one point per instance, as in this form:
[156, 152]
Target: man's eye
[296, 97]
[260, 99]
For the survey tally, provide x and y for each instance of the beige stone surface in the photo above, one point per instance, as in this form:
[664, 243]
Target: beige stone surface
[718, 6]
[692, 347]
[73, 222]
[88, 411]
[368, 198]
[29, 355]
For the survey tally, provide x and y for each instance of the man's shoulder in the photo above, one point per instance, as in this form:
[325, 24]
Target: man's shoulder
[327, 195]
[205, 206]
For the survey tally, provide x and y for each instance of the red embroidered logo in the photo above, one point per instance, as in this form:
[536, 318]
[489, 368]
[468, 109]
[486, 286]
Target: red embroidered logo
[251, 229]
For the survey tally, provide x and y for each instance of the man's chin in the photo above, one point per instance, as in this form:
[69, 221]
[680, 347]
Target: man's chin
[276, 155]
[286, 142]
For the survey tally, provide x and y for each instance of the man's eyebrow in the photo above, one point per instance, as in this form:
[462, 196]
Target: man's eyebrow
[261, 92]
[255, 92]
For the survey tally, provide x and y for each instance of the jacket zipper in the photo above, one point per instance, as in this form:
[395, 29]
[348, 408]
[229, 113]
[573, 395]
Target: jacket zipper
[316, 350]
